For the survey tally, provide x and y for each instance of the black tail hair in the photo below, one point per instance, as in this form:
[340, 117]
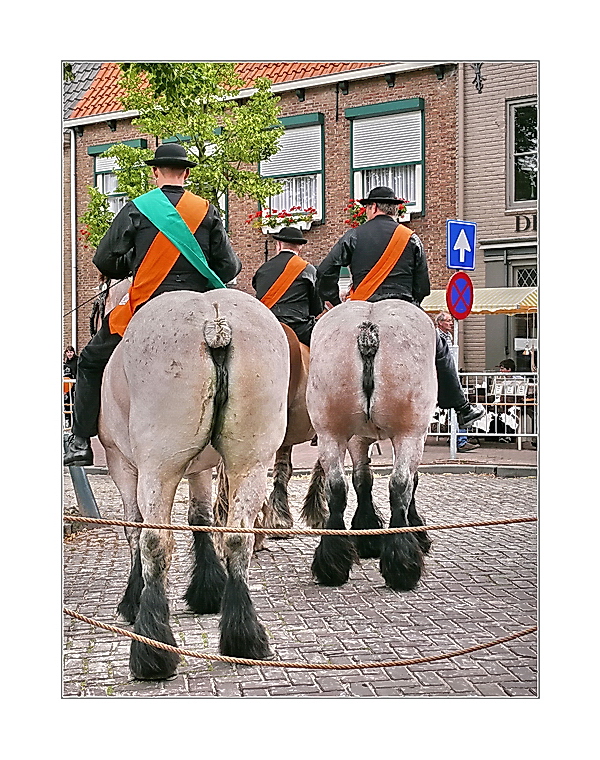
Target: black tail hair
[368, 344]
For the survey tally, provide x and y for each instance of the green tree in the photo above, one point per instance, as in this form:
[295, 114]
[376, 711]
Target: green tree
[195, 102]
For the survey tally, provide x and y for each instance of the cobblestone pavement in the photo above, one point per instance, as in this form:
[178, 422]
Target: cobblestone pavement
[479, 584]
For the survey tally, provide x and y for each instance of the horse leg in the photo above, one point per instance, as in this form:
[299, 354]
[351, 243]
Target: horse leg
[207, 583]
[414, 518]
[125, 478]
[401, 559]
[365, 517]
[314, 510]
[155, 497]
[278, 510]
[242, 634]
[334, 555]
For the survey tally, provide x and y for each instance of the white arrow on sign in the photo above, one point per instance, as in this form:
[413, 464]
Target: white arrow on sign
[462, 244]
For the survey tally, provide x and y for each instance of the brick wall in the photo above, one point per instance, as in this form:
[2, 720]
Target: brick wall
[440, 177]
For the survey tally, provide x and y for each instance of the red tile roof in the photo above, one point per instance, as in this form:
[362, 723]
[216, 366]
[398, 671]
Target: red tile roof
[103, 95]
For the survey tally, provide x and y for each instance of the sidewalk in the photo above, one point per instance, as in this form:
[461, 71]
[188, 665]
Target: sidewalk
[492, 457]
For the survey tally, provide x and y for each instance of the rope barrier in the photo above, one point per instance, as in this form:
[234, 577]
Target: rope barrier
[295, 531]
[296, 665]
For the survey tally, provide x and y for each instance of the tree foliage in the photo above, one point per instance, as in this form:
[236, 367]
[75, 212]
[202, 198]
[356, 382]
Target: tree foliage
[195, 103]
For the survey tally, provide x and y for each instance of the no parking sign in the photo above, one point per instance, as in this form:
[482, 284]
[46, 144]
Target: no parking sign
[459, 295]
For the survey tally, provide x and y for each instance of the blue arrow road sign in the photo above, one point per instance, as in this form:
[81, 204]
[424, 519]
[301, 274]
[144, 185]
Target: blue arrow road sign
[460, 244]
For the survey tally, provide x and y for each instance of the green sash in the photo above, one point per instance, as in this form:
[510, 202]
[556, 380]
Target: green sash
[162, 213]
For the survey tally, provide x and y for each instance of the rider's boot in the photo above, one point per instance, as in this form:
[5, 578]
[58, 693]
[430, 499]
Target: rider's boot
[467, 414]
[78, 452]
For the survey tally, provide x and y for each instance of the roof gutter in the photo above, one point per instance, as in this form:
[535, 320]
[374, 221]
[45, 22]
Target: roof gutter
[341, 76]
[95, 119]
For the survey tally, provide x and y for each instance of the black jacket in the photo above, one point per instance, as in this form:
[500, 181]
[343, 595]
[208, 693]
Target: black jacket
[70, 367]
[300, 303]
[360, 249]
[122, 249]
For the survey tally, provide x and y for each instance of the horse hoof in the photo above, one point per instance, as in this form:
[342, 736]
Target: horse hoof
[150, 664]
[401, 562]
[333, 560]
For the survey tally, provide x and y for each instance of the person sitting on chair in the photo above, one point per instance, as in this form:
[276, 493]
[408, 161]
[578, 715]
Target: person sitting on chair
[366, 250]
[286, 284]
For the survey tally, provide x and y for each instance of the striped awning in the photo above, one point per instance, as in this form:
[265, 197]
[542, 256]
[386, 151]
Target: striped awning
[489, 301]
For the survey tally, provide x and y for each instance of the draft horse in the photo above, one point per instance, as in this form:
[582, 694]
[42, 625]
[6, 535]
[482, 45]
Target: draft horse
[299, 430]
[196, 377]
[372, 377]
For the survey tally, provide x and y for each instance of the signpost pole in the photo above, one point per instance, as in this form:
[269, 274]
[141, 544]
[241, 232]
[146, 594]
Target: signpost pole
[453, 420]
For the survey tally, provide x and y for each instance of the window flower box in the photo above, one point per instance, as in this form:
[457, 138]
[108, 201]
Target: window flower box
[273, 221]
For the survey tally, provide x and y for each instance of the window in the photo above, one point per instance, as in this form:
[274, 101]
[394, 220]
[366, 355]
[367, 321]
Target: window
[106, 181]
[522, 154]
[387, 149]
[105, 177]
[298, 164]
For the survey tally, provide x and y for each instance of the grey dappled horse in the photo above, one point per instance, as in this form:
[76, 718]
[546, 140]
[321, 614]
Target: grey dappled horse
[372, 377]
[196, 377]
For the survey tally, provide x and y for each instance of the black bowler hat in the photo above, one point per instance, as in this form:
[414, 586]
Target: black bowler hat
[381, 195]
[171, 154]
[290, 235]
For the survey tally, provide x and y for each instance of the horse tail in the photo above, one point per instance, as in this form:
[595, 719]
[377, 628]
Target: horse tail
[368, 345]
[217, 334]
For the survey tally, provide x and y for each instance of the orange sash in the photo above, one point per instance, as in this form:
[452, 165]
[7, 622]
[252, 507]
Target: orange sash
[292, 269]
[156, 264]
[384, 266]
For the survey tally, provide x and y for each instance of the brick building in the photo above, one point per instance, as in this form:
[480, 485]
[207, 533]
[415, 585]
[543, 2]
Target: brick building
[349, 126]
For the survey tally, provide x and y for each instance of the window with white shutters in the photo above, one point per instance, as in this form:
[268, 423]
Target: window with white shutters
[387, 149]
[298, 165]
[106, 181]
[105, 169]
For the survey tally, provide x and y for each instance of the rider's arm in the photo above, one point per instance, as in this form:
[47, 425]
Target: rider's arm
[114, 255]
[421, 284]
[221, 257]
[315, 305]
[328, 271]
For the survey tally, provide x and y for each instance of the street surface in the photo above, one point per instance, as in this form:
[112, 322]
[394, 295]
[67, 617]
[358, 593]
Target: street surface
[479, 584]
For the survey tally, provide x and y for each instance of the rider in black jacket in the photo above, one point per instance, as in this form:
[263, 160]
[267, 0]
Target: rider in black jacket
[120, 254]
[300, 304]
[359, 249]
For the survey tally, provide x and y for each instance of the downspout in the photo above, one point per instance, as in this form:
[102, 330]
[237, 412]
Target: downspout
[73, 245]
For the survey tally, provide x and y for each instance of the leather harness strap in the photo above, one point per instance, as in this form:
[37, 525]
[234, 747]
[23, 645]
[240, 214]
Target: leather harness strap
[157, 263]
[292, 269]
[384, 266]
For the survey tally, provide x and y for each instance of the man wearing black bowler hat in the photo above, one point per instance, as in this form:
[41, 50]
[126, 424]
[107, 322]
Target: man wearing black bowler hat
[365, 250]
[152, 252]
[286, 284]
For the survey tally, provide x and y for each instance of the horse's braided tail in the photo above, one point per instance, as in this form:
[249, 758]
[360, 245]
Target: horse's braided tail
[368, 344]
[217, 334]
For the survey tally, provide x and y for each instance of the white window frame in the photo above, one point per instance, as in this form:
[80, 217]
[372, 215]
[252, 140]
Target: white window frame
[389, 155]
[299, 148]
[103, 168]
[511, 203]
